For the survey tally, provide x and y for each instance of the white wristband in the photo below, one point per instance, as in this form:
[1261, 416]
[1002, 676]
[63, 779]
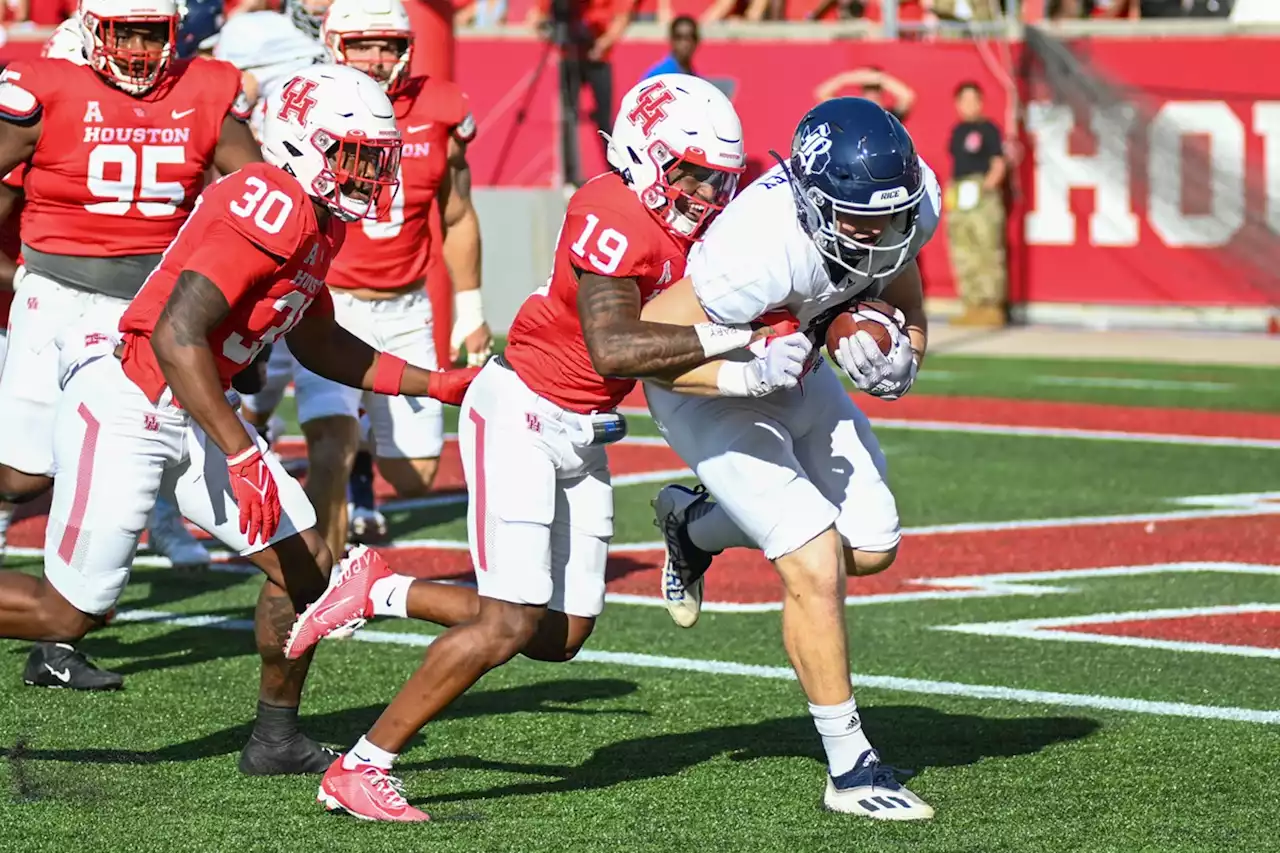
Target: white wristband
[718, 340]
[468, 314]
[740, 379]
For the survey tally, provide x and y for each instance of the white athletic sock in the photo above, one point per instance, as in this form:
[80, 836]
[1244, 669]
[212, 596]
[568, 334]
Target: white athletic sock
[714, 531]
[842, 735]
[390, 595]
[365, 752]
[6, 513]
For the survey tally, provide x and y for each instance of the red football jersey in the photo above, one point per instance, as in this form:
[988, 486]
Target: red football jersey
[115, 175]
[255, 235]
[606, 231]
[393, 251]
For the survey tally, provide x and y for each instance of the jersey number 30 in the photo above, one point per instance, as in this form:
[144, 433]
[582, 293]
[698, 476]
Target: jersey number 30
[268, 209]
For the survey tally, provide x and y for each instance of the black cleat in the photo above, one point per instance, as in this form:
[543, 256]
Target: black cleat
[61, 665]
[297, 755]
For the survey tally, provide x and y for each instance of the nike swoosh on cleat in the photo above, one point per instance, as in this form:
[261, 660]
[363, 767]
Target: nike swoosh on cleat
[64, 676]
[319, 617]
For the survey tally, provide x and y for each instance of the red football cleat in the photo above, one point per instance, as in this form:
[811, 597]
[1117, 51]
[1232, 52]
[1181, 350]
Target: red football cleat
[344, 606]
[366, 792]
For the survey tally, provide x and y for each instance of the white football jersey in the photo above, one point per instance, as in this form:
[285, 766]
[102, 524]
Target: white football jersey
[756, 257]
[271, 48]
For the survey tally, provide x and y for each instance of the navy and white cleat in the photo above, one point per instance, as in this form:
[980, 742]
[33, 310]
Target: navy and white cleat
[685, 563]
[872, 790]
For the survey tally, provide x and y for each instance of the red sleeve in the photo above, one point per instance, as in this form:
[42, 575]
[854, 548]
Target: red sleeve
[464, 125]
[239, 106]
[231, 261]
[606, 242]
[23, 87]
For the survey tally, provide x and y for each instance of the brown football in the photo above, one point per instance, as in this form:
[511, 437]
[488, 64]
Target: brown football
[855, 320]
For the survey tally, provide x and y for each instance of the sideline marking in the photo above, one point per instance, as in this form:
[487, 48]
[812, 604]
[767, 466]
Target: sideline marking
[1043, 629]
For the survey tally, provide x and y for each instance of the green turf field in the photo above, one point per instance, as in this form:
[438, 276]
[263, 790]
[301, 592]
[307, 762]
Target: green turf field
[1033, 723]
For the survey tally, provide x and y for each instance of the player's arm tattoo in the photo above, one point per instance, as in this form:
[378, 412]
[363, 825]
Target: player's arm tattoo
[181, 344]
[619, 342]
[461, 224]
[325, 348]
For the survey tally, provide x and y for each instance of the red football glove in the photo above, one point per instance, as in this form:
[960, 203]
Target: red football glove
[256, 494]
[450, 386]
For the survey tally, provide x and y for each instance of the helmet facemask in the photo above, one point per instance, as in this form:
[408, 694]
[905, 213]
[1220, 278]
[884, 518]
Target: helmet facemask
[308, 20]
[362, 174]
[131, 52]
[689, 192]
[382, 54]
[859, 237]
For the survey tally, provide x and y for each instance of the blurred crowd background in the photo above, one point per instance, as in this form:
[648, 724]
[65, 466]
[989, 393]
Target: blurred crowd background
[1103, 161]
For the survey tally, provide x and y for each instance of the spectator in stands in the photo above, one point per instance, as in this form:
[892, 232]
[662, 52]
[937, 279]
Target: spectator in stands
[873, 84]
[44, 13]
[846, 10]
[684, 42]
[975, 212]
[482, 13]
[748, 10]
[594, 26]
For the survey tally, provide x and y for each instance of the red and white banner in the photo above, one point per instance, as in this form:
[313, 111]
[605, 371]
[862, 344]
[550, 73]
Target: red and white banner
[1085, 227]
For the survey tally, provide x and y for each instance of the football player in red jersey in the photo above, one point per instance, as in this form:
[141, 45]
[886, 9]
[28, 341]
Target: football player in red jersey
[536, 421]
[116, 142]
[378, 282]
[145, 410]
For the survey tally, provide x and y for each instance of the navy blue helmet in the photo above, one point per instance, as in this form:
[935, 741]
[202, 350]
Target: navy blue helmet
[201, 19]
[858, 184]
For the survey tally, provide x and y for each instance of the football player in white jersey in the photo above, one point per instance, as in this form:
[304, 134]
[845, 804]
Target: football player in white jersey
[798, 473]
[272, 46]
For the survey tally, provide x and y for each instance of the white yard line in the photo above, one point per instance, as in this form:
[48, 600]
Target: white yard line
[1133, 384]
[1050, 629]
[916, 686]
[963, 428]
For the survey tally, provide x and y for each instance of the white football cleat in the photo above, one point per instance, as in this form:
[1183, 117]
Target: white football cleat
[170, 538]
[366, 524]
[685, 563]
[872, 790]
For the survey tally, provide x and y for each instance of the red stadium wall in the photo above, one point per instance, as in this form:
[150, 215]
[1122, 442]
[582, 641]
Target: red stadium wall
[1055, 258]
[1074, 244]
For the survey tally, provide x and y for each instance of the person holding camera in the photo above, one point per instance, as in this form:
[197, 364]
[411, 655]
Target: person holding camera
[585, 31]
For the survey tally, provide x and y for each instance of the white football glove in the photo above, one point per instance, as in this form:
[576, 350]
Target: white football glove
[885, 376]
[779, 366]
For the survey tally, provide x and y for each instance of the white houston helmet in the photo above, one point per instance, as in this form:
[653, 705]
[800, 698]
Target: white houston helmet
[112, 34]
[352, 20]
[67, 42]
[677, 142]
[334, 129]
